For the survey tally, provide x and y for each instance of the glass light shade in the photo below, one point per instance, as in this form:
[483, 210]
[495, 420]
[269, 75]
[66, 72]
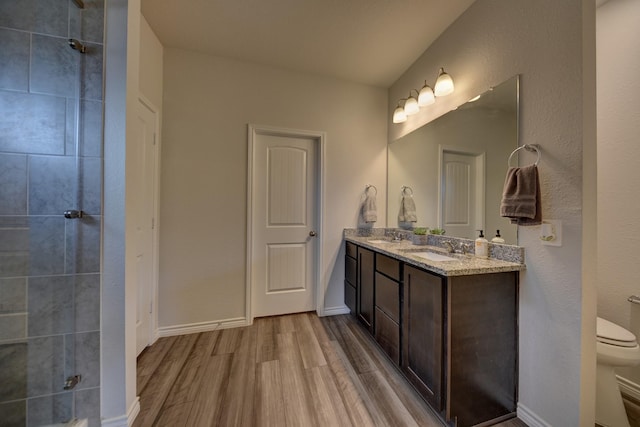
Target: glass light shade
[444, 84]
[399, 116]
[426, 96]
[411, 106]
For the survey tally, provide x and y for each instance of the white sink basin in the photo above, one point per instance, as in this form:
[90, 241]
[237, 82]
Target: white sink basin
[432, 256]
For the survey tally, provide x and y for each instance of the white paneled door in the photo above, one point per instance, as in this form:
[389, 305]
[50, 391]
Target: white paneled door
[145, 160]
[462, 193]
[284, 223]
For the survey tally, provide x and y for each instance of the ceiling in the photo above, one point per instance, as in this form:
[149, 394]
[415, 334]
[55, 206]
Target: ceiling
[367, 41]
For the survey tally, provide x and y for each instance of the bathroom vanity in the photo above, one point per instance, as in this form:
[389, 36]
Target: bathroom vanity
[450, 326]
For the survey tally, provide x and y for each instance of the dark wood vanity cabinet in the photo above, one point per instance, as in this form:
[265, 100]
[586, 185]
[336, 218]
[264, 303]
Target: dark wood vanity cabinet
[423, 333]
[365, 287]
[482, 355]
[460, 339]
[388, 287]
[455, 338]
[350, 276]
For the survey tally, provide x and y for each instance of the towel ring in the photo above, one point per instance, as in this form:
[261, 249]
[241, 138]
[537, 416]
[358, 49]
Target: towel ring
[404, 190]
[369, 186]
[528, 147]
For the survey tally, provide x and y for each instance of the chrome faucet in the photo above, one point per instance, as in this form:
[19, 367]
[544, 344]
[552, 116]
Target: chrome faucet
[448, 245]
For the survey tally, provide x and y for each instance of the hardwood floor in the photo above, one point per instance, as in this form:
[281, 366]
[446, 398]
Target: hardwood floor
[294, 370]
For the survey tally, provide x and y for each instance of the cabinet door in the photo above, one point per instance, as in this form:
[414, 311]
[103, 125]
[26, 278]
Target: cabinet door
[365, 287]
[422, 335]
[387, 334]
[350, 276]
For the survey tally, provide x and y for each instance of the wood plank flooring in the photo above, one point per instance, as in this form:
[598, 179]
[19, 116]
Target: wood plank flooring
[293, 370]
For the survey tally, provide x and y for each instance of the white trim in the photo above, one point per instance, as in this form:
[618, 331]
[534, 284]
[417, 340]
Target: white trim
[334, 311]
[321, 138]
[153, 326]
[530, 418]
[628, 387]
[192, 328]
[124, 420]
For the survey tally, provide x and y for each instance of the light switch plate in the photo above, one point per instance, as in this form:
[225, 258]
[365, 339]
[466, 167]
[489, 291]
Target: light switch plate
[551, 232]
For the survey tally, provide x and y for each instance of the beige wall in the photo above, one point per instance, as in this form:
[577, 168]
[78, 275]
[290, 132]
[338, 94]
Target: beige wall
[543, 42]
[208, 102]
[618, 44]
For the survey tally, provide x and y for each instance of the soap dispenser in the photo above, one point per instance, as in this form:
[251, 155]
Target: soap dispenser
[498, 238]
[482, 246]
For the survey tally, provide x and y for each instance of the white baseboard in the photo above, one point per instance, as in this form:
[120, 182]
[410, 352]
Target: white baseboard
[629, 388]
[124, 420]
[530, 418]
[192, 328]
[334, 311]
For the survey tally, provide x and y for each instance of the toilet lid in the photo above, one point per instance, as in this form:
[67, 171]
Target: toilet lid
[612, 334]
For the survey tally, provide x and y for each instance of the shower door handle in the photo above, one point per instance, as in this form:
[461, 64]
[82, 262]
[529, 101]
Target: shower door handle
[73, 214]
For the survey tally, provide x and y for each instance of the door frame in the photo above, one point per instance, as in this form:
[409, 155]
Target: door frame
[320, 139]
[155, 260]
[480, 187]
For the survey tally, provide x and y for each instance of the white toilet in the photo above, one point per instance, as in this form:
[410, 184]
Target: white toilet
[616, 347]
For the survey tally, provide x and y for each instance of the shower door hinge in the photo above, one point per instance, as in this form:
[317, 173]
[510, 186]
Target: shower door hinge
[71, 382]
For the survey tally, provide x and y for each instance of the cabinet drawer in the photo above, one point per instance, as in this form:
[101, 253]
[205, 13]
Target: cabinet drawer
[388, 296]
[388, 335]
[388, 266]
[351, 270]
[352, 250]
[350, 296]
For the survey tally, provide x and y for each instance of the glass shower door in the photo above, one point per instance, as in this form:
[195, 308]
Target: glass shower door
[50, 165]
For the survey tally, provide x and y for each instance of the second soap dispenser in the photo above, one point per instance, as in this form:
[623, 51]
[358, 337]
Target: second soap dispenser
[482, 246]
[498, 238]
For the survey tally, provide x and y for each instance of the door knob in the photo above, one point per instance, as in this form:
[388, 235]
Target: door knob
[312, 233]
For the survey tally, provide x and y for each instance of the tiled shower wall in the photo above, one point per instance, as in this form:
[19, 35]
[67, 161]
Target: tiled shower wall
[50, 162]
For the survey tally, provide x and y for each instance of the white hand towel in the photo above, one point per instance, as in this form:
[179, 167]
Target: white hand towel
[369, 209]
[407, 210]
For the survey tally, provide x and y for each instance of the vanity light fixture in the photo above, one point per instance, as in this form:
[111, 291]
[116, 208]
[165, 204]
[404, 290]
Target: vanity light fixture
[399, 116]
[411, 106]
[444, 84]
[426, 96]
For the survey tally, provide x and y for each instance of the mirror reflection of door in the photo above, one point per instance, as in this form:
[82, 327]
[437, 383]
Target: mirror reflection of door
[462, 188]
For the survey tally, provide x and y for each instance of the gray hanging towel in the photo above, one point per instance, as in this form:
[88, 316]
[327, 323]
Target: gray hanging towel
[521, 200]
[407, 209]
[369, 209]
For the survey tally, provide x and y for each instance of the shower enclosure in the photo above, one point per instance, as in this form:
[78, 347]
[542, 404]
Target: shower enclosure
[51, 120]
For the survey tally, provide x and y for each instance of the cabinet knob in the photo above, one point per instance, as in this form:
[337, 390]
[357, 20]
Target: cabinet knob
[312, 233]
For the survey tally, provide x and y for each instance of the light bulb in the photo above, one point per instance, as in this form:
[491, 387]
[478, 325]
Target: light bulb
[444, 84]
[426, 97]
[399, 116]
[411, 106]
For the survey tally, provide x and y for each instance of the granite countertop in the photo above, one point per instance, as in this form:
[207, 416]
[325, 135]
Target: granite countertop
[462, 266]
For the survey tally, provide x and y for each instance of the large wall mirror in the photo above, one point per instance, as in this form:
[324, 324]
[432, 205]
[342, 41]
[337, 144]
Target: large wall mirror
[455, 167]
